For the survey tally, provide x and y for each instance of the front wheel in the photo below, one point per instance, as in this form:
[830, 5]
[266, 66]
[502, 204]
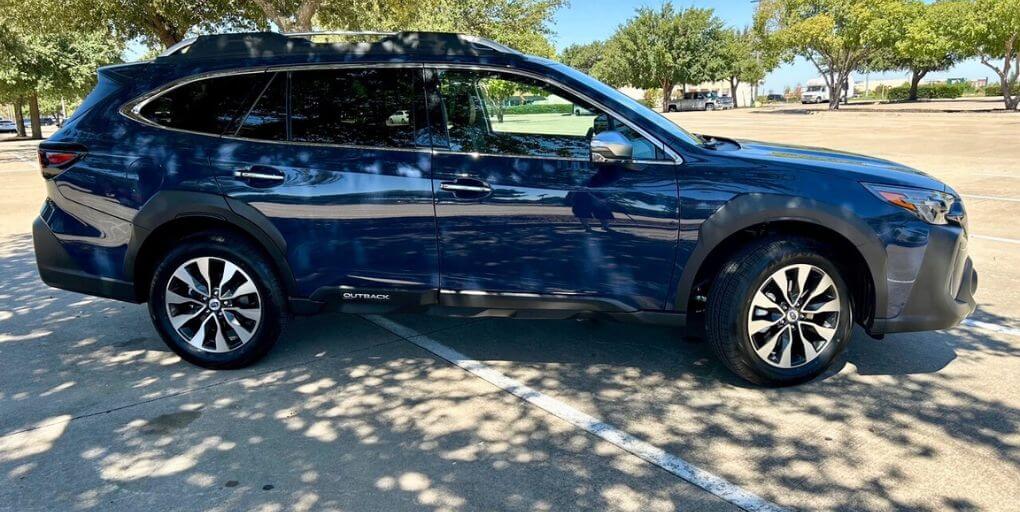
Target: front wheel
[216, 301]
[779, 312]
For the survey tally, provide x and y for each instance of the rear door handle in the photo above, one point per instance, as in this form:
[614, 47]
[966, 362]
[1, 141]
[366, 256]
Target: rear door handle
[466, 188]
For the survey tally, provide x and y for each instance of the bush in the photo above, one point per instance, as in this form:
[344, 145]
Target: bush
[541, 108]
[996, 89]
[929, 91]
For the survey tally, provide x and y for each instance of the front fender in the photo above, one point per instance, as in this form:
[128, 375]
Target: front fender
[750, 210]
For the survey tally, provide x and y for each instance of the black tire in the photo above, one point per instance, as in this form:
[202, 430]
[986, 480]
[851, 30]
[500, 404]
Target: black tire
[729, 303]
[672, 108]
[251, 260]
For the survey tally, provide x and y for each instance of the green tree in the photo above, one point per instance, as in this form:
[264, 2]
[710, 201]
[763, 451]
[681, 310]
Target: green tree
[932, 41]
[521, 24]
[157, 23]
[36, 65]
[739, 60]
[583, 57]
[837, 36]
[992, 27]
[662, 48]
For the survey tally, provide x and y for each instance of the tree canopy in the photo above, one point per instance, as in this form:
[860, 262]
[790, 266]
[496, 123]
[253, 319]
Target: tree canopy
[837, 36]
[932, 40]
[739, 60]
[660, 48]
[583, 57]
[992, 28]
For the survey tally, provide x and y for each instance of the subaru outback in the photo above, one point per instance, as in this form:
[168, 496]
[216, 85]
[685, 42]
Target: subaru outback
[240, 179]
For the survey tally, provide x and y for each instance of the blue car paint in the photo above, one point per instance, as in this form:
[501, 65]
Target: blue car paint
[376, 218]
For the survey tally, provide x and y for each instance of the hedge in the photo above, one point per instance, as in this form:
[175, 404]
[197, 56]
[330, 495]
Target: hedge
[928, 91]
[996, 89]
[541, 108]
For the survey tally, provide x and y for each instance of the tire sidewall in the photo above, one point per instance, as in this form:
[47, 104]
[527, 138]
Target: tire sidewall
[247, 259]
[828, 354]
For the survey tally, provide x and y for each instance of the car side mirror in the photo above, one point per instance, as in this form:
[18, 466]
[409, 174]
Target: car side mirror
[611, 146]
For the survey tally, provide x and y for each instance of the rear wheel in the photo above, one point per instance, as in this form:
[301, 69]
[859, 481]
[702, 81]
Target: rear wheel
[216, 302]
[672, 108]
[779, 312]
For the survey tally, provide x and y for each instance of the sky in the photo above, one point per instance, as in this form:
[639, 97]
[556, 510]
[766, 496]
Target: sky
[584, 21]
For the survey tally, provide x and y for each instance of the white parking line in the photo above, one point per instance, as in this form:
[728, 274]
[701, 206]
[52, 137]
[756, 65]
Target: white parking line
[992, 198]
[675, 465]
[987, 326]
[996, 239]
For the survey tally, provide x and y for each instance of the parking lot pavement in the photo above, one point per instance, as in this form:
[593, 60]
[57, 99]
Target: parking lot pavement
[96, 413]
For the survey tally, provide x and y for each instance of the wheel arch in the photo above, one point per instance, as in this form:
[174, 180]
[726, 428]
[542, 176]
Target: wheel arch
[753, 216]
[171, 215]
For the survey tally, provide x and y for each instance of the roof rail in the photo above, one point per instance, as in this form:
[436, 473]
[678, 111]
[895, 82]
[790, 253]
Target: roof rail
[275, 44]
[339, 33]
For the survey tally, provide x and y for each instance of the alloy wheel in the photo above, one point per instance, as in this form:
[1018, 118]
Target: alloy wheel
[213, 304]
[794, 316]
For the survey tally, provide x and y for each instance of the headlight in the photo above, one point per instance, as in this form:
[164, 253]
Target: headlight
[931, 206]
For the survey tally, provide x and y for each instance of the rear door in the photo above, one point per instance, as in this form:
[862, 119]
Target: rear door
[524, 214]
[338, 159]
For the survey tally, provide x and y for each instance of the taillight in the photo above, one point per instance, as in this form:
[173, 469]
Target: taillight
[52, 162]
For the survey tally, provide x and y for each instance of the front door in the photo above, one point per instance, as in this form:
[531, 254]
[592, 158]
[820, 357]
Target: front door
[339, 160]
[523, 212]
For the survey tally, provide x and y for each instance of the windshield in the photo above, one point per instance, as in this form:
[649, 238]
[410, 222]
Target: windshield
[815, 88]
[659, 120]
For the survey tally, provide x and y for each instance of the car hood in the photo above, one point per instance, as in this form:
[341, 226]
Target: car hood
[827, 161]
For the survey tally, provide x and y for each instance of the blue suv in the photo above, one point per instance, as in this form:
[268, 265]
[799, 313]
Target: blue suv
[239, 179]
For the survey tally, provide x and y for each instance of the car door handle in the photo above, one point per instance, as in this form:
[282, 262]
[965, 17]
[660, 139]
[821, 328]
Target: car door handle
[466, 187]
[457, 187]
[259, 172]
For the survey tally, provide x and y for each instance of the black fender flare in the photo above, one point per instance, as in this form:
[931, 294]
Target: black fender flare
[750, 210]
[171, 205]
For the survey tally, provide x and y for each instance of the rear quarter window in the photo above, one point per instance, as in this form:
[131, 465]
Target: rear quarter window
[211, 105]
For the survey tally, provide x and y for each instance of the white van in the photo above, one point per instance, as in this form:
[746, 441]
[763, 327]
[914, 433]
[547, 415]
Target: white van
[817, 92]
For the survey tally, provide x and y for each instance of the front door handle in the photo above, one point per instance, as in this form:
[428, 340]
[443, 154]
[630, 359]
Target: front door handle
[466, 188]
[260, 175]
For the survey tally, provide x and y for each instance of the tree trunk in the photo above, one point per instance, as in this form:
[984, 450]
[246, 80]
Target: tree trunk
[33, 110]
[835, 90]
[915, 81]
[667, 95]
[19, 116]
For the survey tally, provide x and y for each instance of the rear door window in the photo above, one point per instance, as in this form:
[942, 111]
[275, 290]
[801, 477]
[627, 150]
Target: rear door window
[267, 119]
[211, 105]
[375, 107]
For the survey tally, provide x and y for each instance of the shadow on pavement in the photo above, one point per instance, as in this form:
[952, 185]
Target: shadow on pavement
[345, 415]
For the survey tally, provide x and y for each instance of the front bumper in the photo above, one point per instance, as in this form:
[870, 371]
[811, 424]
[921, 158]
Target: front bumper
[942, 291]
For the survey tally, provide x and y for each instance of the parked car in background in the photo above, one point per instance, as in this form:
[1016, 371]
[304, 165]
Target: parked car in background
[775, 98]
[7, 126]
[581, 111]
[700, 101]
[816, 91]
[241, 178]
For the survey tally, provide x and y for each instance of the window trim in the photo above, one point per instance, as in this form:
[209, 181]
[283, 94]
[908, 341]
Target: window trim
[132, 109]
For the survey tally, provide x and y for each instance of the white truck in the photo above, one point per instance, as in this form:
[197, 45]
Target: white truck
[817, 92]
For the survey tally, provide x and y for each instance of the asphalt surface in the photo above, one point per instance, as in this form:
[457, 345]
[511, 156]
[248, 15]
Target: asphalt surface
[97, 414]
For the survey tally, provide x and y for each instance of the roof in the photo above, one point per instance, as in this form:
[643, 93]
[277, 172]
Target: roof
[262, 45]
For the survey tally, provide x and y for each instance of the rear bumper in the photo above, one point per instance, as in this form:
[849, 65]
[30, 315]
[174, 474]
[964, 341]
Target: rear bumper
[942, 293]
[58, 269]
